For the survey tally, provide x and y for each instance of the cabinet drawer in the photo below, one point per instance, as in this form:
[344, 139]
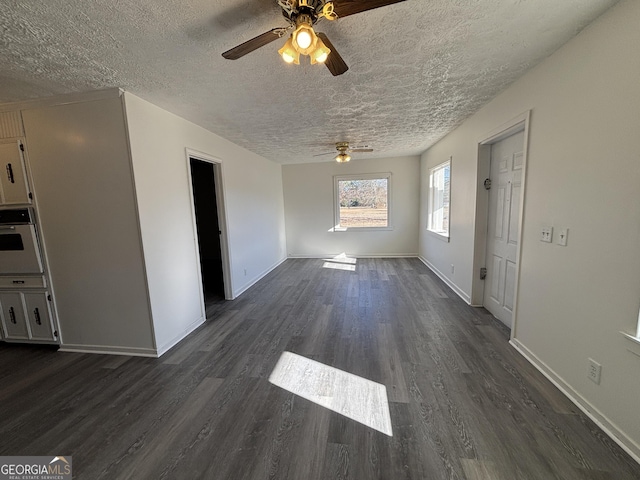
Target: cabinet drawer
[22, 282]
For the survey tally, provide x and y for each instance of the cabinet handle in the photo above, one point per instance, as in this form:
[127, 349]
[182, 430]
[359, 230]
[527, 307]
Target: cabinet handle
[10, 173]
[36, 314]
[12, 315]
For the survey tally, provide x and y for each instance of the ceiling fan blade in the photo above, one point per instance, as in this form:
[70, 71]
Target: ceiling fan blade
[344, 8]
[325, 153]
[361, 150]
[334, 62]
[253, 44]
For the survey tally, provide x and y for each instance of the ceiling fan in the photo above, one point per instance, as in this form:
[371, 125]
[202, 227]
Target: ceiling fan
[344, 151]
[301, 15]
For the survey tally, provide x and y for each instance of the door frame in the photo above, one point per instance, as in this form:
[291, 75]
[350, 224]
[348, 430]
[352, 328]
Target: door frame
[515, 125]
[222, 220]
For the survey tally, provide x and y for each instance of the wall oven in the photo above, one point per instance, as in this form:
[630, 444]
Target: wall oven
[19, 250]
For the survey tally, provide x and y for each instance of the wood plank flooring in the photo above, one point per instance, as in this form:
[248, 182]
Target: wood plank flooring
[463, 403]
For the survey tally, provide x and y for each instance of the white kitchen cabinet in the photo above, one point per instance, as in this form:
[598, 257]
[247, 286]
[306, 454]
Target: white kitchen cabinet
[14, 322]
[14, 189]
[27, 316]
[39, 316]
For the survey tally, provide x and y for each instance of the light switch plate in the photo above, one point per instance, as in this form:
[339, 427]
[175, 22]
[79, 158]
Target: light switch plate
[547, 234]
[562, 237]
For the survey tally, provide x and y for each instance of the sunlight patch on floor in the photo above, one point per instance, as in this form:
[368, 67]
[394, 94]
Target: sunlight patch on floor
[339, 266]
[357, 398]
[341, 262]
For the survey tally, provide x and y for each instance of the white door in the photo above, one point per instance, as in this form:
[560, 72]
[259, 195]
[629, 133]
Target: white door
[13, 178]
[503, 225]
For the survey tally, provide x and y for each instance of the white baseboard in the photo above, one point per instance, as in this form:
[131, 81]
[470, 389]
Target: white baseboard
[257, 278]
[608, 427]
[109, 350]
[446, 280]
[162, 349]
[364, 255]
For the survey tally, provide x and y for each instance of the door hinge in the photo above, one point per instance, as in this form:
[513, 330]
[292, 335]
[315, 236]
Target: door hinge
[30, 196]
[483, 273]
[487, 184]
[22, 147]
[55, 334]
[49, 297]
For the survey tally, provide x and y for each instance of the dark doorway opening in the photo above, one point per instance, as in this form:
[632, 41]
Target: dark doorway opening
[208, 230]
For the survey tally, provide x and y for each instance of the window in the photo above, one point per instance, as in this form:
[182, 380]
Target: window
[634, 345]
[362, 201]
[439, 193]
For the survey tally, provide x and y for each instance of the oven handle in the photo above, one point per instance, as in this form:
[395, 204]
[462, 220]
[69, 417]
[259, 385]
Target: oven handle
[7, 227]
[10, 173]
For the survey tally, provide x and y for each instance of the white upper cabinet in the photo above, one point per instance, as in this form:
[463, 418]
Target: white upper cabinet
[14, 189]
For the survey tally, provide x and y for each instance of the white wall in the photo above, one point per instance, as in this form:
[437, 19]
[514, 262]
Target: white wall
[85, 197]
[583, 173]
[309, 209]
[252, 188]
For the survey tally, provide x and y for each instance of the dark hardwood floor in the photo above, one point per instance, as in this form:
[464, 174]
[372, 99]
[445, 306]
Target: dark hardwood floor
[463, 403]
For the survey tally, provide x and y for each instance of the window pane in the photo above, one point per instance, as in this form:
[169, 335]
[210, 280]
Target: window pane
[439, 199]
[363, 203]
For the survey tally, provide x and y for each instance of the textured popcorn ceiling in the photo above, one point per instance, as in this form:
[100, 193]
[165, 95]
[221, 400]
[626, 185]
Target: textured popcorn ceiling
[417, 69]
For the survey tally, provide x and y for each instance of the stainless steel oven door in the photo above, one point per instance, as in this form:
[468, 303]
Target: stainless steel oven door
[19, 251]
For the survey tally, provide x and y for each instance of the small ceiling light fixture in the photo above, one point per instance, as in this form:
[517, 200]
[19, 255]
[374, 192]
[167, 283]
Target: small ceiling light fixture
[303, 40]
[289, 54]
[343, 157]
[344, 151]
[301, 16]
[320, 54]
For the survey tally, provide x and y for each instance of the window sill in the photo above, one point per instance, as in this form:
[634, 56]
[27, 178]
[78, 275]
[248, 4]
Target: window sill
[440, 236]
[634, 343]
[360, 229]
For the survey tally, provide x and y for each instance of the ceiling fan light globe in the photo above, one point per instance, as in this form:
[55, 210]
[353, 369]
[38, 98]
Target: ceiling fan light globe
[343, 158]
[289, 54]
[321, 53]
[303, 40]
[287, 58]
[322, 58]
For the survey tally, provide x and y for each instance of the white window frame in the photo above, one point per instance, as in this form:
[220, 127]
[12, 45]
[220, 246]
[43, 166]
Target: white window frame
[336, 200]
[634, 346]
[433, 202]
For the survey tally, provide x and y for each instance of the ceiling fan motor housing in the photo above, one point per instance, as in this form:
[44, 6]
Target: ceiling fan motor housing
[293, 9]
[342, 147]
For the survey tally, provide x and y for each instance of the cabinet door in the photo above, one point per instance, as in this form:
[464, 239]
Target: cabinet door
[13, 320]
[39, 316]
[13, 178]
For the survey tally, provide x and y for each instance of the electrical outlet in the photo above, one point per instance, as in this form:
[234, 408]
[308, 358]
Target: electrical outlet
[546, 235]
[594, 371]
[453, 269]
